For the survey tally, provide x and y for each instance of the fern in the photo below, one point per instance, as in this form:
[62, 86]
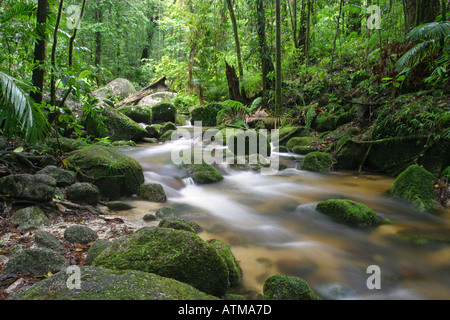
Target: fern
[19, 113]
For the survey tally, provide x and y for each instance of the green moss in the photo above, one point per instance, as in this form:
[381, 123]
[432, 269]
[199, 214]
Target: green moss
[152, 192]
[415, 185]
[207, 114]
[203, 173]
[117, 126]
[326, 122]
[234, 270]
[317, 162]
[424, 237]
[249, 142]
[114, 173]
[104, 284]
[286, 133]
[350, 154]
[167, 136]
[140, 114]
[164, 112]
[281, 287]
[170, 253]
[349, 212]
[168, 126]
[180, 224]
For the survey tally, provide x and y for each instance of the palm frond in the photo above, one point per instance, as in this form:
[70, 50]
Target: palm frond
[433, 30]
[412, 56]
[18, 9]
[19, 113]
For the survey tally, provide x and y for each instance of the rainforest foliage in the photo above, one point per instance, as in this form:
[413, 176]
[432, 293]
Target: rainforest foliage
[301, 61]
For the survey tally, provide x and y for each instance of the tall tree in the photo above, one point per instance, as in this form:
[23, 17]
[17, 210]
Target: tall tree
[266, 60]
[278, 77]
[40, 51]
[236, 39]
[53, 55]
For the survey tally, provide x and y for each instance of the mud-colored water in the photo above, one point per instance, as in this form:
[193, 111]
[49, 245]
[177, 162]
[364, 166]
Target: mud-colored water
[271, 225]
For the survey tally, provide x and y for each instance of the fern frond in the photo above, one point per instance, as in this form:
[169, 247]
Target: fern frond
[18, 9]
[433, 30]
[412, 55]
[19, 113]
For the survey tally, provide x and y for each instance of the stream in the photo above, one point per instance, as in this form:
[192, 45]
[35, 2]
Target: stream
[272, 227]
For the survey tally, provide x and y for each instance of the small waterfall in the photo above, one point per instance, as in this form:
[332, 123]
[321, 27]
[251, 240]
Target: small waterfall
[188, 181]
[188, 123]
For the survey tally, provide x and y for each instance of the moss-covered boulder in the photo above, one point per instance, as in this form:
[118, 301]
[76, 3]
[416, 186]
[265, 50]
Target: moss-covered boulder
[348, 212]
[207, 114]
[104, 284]
[35, 261]
[281, 287]
[303, 145]
[166, 212]
[234, 270]
[152, 192]
[171, 253]
[415, 185]
[114, 173]
[285, 133]
[350, 154]
[327, 122]
[249, 142]
[202, 173]
[164, 112]
[30, 218]
[114, 125]
[38, 187]
[83, 193]
[48, 241]
[317, 162]
[117, 89]
[167, 136]
[140, 114]
[122, 144]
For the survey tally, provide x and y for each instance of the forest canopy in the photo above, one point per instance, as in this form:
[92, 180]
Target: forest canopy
[284, 55]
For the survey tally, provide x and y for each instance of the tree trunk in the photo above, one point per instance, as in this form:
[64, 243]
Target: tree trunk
[237, 44]
[278, 77]
[418, 12]
[266, 60]
[233, 83]
[53, 56]
[98, 38]
[74, 35]
[40, 51]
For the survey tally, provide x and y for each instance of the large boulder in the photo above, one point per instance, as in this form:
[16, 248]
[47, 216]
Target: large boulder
[104, 284]
[80, 234]
[206, 114]
[281, 287]
[117, 89]
[348, 212]
[140, 114]
[114, 173]
[317, 162]
[115, 125]
[415, 185]
[156, 98]
[201, 173]
[164, 112]
[171, 253]
[39, 187]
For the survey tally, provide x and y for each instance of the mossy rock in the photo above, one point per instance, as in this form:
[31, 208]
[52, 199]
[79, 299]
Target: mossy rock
[37, 261]
[424, 237]
[104, 284]
[65, 145]
[168, 126]
[140, 114]
[83, 193]
[115, 125]
[317, 162]
[153, 131]
[37, 187]
[285, 133]
[167, 136]
[326, 122]
[249, 142]
[207, 114]
[121, 144]
[152, 192]
[348, 212]
[62, 177]
[164, 112]
[234, 270]
[114, 173]
[180, 224]
[350, 154]
[170, 253]
[201, 173]
[281, 287]
[415, 185]
[48, 241]
[303, 145]
[30, 218]
[80, 234]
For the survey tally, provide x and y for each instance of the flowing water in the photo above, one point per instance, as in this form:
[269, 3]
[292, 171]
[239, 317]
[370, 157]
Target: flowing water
[272, 227]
